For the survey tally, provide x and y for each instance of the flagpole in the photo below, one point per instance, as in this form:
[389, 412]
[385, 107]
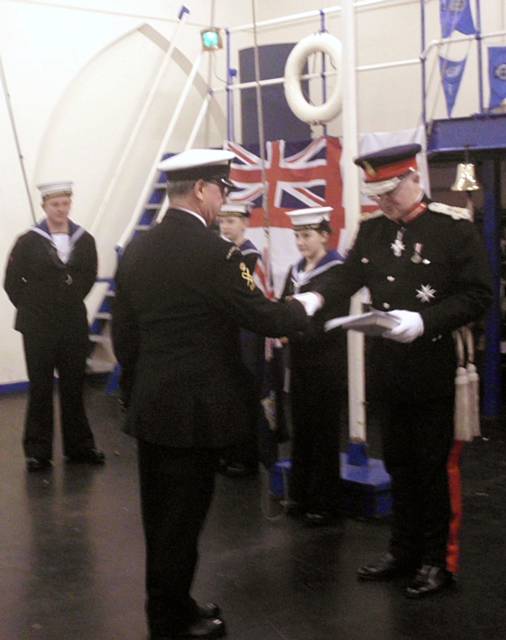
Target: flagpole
[479, 52]
[261, 136]
[356, 365]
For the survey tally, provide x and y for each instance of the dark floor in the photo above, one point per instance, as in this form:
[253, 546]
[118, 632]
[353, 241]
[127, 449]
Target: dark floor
[71, 554]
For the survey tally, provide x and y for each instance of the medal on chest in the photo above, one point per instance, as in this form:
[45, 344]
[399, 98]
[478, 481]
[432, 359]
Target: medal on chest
[398, 245]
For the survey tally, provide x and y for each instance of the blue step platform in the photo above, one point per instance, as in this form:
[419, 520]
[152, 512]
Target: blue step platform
[366, 487]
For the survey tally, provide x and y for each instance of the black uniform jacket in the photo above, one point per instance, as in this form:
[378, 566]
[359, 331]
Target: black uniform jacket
[314, 347]
[182, 294]
[48, 293]
[435, 265]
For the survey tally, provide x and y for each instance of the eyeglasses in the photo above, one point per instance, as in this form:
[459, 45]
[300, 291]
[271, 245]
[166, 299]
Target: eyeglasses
[222, 187]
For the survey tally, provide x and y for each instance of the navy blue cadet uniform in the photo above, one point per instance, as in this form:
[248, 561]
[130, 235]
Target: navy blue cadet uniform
[242, 458]
[317, 384]
[49, 297]
[182, 295]
[432, 263]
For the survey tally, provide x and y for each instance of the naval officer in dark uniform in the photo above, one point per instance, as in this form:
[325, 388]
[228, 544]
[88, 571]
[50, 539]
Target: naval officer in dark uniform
[50, 271]
[182, 294]
[423, 263]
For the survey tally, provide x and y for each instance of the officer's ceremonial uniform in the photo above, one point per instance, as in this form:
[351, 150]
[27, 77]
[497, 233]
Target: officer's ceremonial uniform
[432, 264]
[48, 288]
[182, 294]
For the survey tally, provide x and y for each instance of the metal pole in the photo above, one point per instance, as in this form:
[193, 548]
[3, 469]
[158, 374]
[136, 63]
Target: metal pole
[308, 15]
[323, 29]
[230, 95]
[492, 387]
[479, 46]
[16, 139]
[104, 205]
[356, 378]
[424, 63]
[261, 135]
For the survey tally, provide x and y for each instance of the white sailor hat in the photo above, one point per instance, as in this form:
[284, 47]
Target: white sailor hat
[54, 189]
[238, 209]
[313, 218]
[199, 164]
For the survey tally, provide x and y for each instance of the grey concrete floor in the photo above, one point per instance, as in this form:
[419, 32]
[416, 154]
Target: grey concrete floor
[71, 553]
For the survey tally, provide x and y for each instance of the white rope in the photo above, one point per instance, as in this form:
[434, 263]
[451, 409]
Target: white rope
[16, 139]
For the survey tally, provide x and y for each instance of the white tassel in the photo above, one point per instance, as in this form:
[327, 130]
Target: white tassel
[467, 388]
[462, 409]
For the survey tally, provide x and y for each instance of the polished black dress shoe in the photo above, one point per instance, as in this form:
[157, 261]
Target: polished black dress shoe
[90, 456]
[204, 628]
[208, 610]
[38, 464]
[238, 470]
[385, 568]
[321, 518]
[429, 580]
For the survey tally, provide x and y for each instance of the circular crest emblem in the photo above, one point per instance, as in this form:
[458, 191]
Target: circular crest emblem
[452, 72]
[500, 71]
[457, 5]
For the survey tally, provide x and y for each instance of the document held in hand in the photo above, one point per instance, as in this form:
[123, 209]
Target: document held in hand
[373, 323]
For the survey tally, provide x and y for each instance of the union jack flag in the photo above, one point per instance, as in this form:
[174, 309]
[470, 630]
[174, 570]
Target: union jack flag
[298, 175]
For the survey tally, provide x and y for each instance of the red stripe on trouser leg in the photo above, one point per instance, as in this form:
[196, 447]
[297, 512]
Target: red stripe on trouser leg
[455, 489]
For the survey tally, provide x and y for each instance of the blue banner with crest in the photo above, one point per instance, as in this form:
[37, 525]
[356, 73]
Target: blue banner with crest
[497, 75]
[455, 15]
[451, 76]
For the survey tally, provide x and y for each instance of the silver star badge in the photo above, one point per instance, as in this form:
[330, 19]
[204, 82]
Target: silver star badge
[426, 293]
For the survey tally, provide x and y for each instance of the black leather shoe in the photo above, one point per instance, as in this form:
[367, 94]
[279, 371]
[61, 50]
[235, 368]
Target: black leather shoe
[238, 470]
[208, 610]
[38, 464]
[203, 628]
[321, 518]
[91, 456]
[385, 568]
[429, 580]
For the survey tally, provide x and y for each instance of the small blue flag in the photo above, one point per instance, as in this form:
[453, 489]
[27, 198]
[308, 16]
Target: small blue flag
[497, 75]
[456, 15]
[451, 76]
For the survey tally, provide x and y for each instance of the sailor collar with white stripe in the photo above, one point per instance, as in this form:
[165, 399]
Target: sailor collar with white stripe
[301, 277]
[75, 232]
[248, 248]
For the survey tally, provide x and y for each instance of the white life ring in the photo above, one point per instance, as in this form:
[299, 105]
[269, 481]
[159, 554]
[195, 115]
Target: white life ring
[294, 67]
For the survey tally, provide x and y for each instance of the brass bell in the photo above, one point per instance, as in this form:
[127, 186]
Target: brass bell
[465, 179]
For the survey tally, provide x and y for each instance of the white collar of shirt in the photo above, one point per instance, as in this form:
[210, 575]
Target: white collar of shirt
[193, 213]
[63, 246]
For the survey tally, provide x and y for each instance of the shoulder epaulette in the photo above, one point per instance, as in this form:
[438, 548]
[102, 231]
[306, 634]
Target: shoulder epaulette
[371, 215]
[457, 213]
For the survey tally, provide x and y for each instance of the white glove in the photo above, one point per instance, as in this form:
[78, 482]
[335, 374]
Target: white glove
[311, 301]
[409, 328]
